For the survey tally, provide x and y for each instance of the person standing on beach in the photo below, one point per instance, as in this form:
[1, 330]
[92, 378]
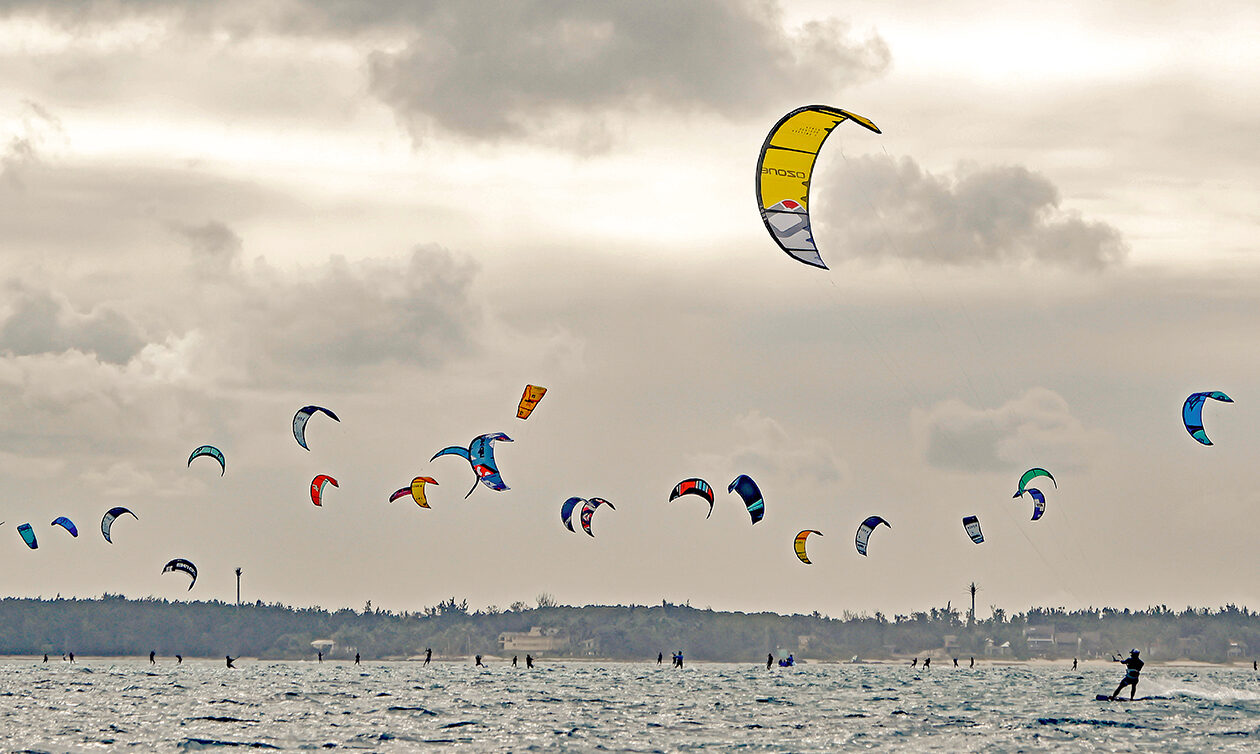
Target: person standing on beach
[428, 655]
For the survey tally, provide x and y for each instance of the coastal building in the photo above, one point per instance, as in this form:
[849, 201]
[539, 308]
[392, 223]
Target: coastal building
[1040, 638]
[536, 639]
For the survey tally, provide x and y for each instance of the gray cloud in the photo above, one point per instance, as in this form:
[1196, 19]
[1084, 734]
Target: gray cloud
[1006, 214]
[501, 70]
[40, 322]
[1035, 428]
[35, 127]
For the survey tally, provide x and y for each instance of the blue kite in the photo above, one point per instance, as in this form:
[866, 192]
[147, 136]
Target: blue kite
[480, 455]
[1192, 413]
[750, 493]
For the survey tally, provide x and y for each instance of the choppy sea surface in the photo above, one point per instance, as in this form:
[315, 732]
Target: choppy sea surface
[112, 704]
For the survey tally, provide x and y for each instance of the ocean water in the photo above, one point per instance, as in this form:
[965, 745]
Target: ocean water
[105, 704]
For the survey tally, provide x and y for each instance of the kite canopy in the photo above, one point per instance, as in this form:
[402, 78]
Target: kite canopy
[183, 566]
[799, 544]
[1039, 502]
[864, 532]
[972, 525]
[28, 536]
[693, 486]
[566, 511]
[66, 524]
[404, 492]
[588, 512]
[1030, 475]
[107, 522]
[213, 452]
[750, 493]
[530, 398]
[417, 490]
[317, 488]
[1192, 413]
[480, 455]
[304, 415]
[784, 171]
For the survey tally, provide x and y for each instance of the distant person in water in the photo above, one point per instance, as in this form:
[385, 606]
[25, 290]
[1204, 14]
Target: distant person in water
[529, 661]
[1074, 663]
[955, 662]
[319, 657]
[479, 662]
[914, 663]
[1254, 664]
[769, 661]
[229, 661]
[72, 658]
[973, 663]
[513, 660]
[45, 658]
[179, 659]
[152, 655]
[356, 658]
[660, 657]
[927, 662]
[1134, 665]
[428, 655]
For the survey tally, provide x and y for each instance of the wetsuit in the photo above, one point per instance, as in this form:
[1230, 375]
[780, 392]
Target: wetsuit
[1134, 665]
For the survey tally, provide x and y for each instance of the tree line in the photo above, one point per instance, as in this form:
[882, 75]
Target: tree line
[113, 625]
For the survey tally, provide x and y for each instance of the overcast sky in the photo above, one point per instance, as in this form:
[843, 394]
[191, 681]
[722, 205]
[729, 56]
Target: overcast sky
[214, 214]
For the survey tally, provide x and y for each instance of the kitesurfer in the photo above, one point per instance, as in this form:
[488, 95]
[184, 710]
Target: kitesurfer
[179, 659]
[660, 657]
[319, 657]
[428, 655]
[955, 662]
[927, 662]
[769, 661]
[479, 665]
[71, 658]
[529, 661]
[229, 661]
[1254, 664]
[45, 658]
[152, 655]
[973, 663]
[1074, 663]
[914, 663]
[1134, 665]
[513, 660]
[356, 658]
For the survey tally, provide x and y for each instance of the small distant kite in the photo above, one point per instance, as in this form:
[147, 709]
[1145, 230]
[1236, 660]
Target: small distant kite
[1030, 475]
[183, 566]
[66, 524]
[1039, 502]
[213, 452]
[415, 491]
[317, 488]
[566, 511]
[799, 544]
[784, 173]
[864, 532]
[693, 486]
[972, 525]
[303, 416]
[404, 492]
[480, 455]
[28, 536]
[750, 493]
[107, 522]
[533, 394]
[588, 512]
[1192, 413]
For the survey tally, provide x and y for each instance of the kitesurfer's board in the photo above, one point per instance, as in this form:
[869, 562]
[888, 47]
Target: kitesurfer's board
[1105, 698]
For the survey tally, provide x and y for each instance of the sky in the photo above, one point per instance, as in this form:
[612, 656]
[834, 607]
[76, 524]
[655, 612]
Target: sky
[212, 215]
